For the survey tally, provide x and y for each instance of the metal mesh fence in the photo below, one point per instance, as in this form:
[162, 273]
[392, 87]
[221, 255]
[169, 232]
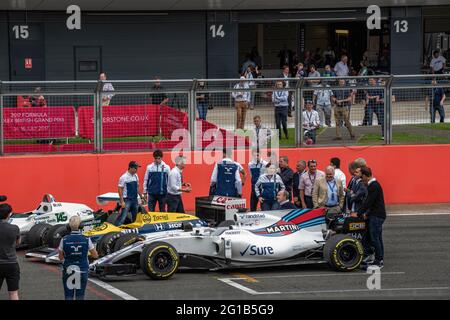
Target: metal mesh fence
[88, 116]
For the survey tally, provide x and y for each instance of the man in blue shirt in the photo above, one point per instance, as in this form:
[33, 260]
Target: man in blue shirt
[155, 182]
[375, 104]
[73, 251]
[128, 193]
[437, 103]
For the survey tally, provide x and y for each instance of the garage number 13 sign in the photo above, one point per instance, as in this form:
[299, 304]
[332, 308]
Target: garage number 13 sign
[217, 31]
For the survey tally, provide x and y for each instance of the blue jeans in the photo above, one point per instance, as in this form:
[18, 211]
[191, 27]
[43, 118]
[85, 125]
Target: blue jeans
[437, 107]
[202, 109]
[75, 294]
[374, 237]
[130, 206]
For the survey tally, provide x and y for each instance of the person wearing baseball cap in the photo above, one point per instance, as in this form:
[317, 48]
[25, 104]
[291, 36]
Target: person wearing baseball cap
[128, 193]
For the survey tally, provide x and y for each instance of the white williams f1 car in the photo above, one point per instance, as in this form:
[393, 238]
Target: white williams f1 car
[254, 239]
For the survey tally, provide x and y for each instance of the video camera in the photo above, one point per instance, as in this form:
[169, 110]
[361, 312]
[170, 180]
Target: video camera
[3, 198]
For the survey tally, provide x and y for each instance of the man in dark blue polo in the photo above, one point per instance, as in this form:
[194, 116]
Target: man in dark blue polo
[155, 182]
[437, 102]
[226, 179]
[128, 193]
[73, 251]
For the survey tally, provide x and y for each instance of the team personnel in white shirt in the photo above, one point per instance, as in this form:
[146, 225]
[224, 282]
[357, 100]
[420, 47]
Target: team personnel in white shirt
[341, 68]
[323, 98]
[338, 174]
[128, 193]
[176, 186]
[311, 121]
[242, 100]
[438, 62]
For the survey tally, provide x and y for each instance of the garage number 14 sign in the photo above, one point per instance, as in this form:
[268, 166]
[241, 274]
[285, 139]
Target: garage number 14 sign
[217, 31]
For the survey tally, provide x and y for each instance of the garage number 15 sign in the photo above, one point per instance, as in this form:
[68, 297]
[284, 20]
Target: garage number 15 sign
[217, 31]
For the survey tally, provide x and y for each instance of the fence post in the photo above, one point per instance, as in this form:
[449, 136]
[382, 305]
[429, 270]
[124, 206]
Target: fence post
[298, 113]
[2, 142]
[388, 112]
[191, 114]
[98, 118]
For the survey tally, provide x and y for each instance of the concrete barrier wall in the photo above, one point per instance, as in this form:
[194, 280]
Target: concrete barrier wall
[408, 174]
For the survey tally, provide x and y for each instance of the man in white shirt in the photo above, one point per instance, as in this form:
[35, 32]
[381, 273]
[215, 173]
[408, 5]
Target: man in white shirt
[128, 189]
[437, 64]
[261, 134]
[322, 98]
[311, 121]
[242, 100]
[341, 68]
[338, 174]
[176, 186]
[106, 97]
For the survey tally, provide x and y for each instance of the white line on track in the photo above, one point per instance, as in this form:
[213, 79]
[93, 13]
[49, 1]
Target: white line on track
[365, 290]
[230, 282]
[420, 214]
[111, 289]
[317, 275]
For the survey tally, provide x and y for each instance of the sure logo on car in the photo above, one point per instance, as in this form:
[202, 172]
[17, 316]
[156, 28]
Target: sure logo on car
[253, 250]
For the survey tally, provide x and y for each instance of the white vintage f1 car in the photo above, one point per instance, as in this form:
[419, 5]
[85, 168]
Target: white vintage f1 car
[254, 239]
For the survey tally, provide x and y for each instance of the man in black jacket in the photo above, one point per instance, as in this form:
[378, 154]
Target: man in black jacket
[301, 169]
[286, 174]
[283, 200]
[374, 211]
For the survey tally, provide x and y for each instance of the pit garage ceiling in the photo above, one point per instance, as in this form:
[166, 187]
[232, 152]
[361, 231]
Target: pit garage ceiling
[173, 5]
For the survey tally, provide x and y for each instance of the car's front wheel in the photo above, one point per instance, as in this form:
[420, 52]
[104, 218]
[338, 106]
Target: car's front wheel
[343, 253]
[159, 260]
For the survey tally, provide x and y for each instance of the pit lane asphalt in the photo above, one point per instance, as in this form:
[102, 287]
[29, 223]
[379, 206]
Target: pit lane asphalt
[417, 265]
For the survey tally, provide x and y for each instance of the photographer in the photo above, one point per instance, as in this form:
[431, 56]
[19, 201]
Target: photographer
[9, 239]
[74, 249]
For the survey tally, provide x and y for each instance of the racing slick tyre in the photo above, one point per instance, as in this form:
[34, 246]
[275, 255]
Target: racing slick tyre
[159, 260]
[106, 243]
[127, 239]
[343, 253]
[55, 234]
[37, 234]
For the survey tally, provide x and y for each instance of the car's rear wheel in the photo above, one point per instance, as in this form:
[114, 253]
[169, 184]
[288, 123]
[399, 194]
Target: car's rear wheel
[126, 240]
[37, 234]
[159, 260]
[343, 253]
[106, 243]
[55, 234]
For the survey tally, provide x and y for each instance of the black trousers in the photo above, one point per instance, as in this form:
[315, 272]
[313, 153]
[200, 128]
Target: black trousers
[309, 202]
[281, 120]
[253, 200]
[175, 203]
[161, 199]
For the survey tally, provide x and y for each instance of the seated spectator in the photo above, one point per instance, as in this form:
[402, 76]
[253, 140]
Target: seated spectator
[283, 200]
[328, 72]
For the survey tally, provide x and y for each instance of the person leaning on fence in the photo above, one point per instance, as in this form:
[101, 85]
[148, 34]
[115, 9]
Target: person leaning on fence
[267, 188]
[9, 240]
[328, 193]
[241, 99]
[159, 97]
[107, 87]
[155, 182]
[343, 101]
[128, 193]
[73, 251]
[176, 186]
[311, 122]
[436, 103]
[280, 99]
[257, 167]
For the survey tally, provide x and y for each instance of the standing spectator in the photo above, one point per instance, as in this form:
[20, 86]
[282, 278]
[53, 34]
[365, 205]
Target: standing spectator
[329, 193]
[322, 99]
[285, 75]
[106, 97]
[176, 186]
[261, 134]
[301, 169]
[257, 167]
[267, 188]
[73, 251]
[202, 101]
[347, 201]
[311, 121]
[155, 182]
[128, 193]
[286, 173]
[307, 181]
[284, 203]
[250, 74]
[9, 239]
[341, 68]
[375, 104]
[301, 73]
[280, 99]
[313, 73]
[357, 193]
[329, 56]
[225, 178]
[374, 211]
[242, 99]
[436, 103]
[343, 100]
[438, 62]
[338, 174]
[38, 99]
[159, 97]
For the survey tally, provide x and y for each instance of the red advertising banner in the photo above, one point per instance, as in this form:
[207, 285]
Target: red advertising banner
[35, 123]
[171, 120]
[121, 121]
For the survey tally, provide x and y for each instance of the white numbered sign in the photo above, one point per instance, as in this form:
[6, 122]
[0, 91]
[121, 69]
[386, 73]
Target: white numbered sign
[217, 31]
[401, 26]
[21, 32]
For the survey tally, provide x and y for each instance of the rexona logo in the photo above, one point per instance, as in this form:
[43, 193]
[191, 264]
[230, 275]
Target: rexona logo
[253, 250]
[282, 228]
